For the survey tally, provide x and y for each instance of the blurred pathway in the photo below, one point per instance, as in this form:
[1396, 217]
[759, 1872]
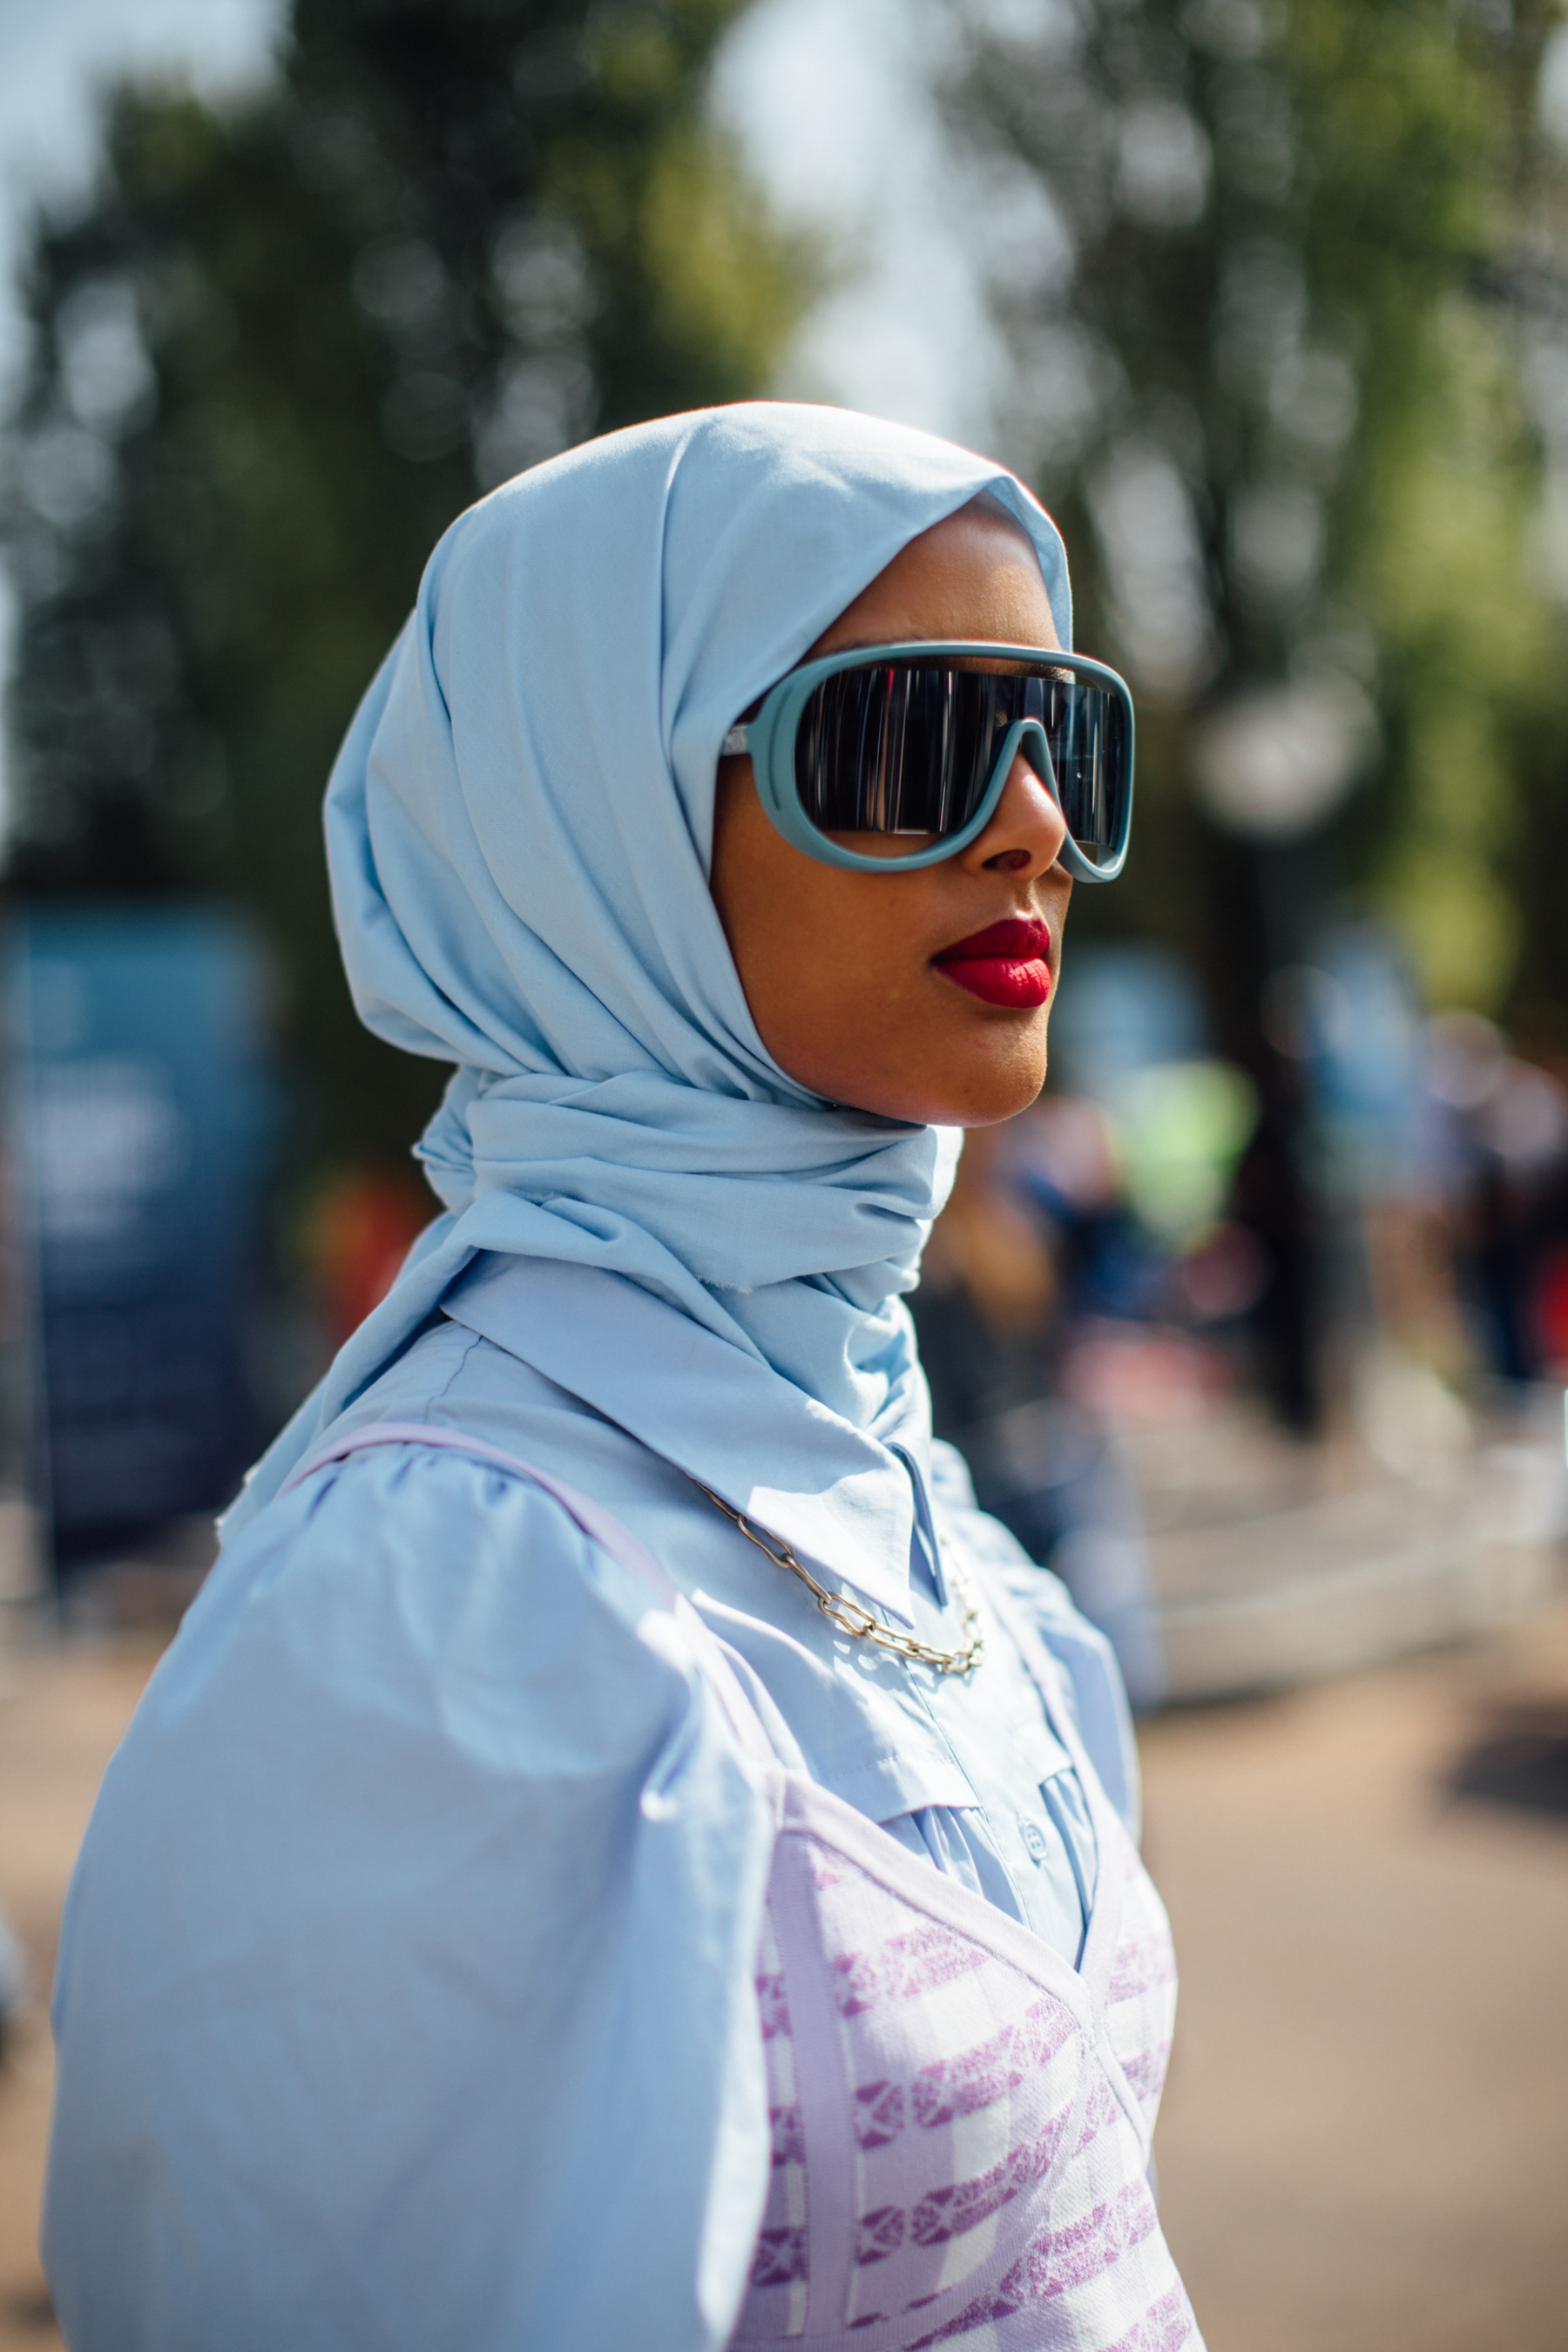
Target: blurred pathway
[1366, 2141]
[61, 1713]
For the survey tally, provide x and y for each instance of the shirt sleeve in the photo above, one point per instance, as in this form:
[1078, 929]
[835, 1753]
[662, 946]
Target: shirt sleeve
[1097, 1692]
[405, 1991]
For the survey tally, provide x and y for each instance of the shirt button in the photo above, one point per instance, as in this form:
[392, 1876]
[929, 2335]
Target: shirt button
[1034, 1837]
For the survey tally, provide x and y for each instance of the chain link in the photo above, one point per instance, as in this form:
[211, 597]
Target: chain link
[853, 1617]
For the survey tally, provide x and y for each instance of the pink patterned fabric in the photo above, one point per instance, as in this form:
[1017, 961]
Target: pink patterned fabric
[961, 2121]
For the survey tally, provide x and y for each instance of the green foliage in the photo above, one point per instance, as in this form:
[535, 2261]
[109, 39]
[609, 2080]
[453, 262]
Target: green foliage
[281, 348]
[1469, 645]
[1273, 397]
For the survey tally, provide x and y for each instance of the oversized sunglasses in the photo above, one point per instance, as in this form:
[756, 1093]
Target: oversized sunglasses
[920, 739]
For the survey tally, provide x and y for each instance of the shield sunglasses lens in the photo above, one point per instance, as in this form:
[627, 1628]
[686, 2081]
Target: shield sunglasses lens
[1087, 728]
[898, 747]
[908, 748]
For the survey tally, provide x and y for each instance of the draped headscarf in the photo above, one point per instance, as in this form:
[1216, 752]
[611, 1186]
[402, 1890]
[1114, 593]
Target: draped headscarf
[518, 829]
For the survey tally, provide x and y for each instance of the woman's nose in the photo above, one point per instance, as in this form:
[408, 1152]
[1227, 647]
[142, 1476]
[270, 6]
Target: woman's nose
[1027, 829]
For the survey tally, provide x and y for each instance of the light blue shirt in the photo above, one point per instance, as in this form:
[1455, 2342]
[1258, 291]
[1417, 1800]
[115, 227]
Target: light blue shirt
[405, 1989]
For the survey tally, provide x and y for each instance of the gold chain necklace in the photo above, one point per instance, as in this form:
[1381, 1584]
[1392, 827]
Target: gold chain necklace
[851, 1617]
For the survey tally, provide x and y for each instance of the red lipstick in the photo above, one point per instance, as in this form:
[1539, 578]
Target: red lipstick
[1004, 964]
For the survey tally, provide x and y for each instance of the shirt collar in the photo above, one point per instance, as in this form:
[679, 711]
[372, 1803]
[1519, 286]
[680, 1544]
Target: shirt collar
[843, 1501]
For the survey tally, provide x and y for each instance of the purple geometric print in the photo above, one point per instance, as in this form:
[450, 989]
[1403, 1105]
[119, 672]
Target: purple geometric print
[1166, 2326]
[978, 2313]
[1140, 1968]
[905, 1965]
[878, 2113]
[1146, 2074]
[773, 2009]
[826, 1868]
[975, 2315]
[878, 2235]
[1102, 2109]
[789, 2139]
[977, 2078]
[945, 2213]
[780, 2257]
[1072, 2256]
[1141, 1997]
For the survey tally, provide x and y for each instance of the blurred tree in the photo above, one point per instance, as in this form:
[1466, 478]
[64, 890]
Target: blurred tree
[282, 346]
[1248, 257]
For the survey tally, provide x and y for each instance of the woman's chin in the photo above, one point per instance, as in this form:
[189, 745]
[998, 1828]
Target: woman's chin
[978, 1091]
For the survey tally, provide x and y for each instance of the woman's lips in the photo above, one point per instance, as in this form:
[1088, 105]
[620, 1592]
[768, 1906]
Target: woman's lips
[1004, 964]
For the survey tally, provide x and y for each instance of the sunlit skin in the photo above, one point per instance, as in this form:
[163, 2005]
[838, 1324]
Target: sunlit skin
[837, 966]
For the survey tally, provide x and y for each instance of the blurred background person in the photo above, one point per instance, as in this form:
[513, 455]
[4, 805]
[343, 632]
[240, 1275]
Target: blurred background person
[1003, 1280]
[1504, 1124]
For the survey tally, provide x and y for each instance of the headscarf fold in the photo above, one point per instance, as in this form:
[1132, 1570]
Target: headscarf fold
[518, 830]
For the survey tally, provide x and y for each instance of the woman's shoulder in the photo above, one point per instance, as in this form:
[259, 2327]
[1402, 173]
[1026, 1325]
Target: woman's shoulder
[404, 1828]
[422, 1583]
[468, 1424]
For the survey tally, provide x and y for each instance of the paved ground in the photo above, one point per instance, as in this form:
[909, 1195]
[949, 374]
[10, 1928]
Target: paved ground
[60, 1714]
[1365, 2140]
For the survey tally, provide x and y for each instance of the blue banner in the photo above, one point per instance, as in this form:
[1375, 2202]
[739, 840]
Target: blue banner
[138, 1105]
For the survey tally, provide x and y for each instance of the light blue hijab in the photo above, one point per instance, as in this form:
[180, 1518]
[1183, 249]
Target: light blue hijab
[519, 828]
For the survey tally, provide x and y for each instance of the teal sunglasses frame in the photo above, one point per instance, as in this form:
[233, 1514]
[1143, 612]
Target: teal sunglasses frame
[770, 740]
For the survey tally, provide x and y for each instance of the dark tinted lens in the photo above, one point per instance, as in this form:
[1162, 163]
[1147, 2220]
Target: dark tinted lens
[909, 747]
[1087, 728]
[900, 748]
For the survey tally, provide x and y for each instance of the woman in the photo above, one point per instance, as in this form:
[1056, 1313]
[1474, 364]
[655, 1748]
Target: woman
[522, 1915]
